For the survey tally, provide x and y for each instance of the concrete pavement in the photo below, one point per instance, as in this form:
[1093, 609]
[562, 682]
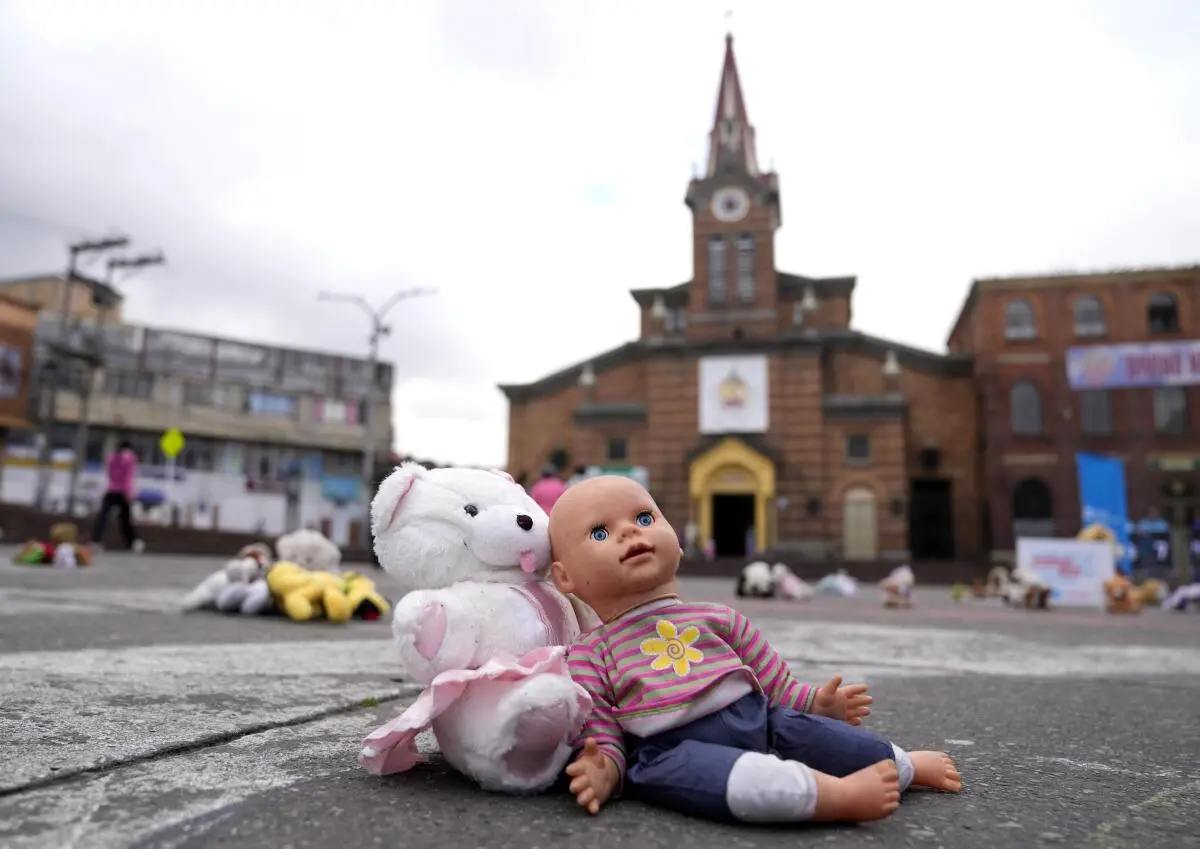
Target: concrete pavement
[126, 723]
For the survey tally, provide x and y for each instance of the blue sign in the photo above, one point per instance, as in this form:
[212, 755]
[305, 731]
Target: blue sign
[343, 489]
[1126, 366]
[268, 404]
[1102, 499]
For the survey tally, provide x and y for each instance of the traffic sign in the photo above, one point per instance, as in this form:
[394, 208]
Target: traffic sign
[171, 443]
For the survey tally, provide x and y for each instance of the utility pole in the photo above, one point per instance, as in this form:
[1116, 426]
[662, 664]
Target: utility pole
[378, 331]
[59, 354]
[104, 301]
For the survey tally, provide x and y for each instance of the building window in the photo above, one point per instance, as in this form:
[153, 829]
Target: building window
[716, 270]
[1170, 409]
[1026, 408]
[1019, 322]
[745, 268]
[798, 312]
[858, 448]
[128, 384]
[198, 394]
[1162, 313]
[1095, 411]
[1089, 316]
[334, 411]
[676, 320]
[617, 451]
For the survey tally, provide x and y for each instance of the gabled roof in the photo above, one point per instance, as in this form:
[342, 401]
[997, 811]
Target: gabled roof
[814, 341]
[788, 285]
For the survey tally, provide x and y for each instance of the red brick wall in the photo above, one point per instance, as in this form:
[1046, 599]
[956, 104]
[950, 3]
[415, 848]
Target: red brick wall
[1051, 456]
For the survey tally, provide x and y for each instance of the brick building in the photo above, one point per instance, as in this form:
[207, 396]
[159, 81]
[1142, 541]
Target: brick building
[752, 407]
[1104, 363]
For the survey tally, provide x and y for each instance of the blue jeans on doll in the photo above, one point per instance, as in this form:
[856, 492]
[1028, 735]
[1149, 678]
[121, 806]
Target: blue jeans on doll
[686, 769]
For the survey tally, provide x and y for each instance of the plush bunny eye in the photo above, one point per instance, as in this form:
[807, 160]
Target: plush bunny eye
[471, 510]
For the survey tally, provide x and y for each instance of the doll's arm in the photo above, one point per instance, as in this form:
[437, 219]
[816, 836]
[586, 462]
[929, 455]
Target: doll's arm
[601, 727]
[772, 671]
[436, 631]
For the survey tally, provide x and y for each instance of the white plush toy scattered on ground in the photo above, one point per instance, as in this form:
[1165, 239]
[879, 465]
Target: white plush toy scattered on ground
[64, 556]
[839, 583]
[897, 587]
[789, 585]
[755, 581]
[238, 586]
[310, 549]
[480, 628]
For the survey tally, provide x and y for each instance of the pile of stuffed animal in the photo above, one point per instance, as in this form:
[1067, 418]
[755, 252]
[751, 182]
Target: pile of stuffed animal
[303, 581]
[1019, 588]
[62, 551]
[761, 580]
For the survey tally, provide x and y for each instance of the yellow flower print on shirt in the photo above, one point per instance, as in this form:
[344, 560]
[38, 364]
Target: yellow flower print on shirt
[672, 648]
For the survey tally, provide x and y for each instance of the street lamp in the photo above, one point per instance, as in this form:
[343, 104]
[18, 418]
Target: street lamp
[74, 251]
[891, 366]
[809, 303]
[378, 331]
[658, 311]
[105, 298]
[587, 376]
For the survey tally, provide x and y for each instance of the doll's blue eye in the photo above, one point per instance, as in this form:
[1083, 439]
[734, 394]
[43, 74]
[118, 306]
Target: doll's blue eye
[645, 519]
[599, 533]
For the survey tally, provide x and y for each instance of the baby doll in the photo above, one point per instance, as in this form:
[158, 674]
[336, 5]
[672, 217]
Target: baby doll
[693, 710]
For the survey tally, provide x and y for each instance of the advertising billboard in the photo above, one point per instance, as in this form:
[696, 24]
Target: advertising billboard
[1134, 365]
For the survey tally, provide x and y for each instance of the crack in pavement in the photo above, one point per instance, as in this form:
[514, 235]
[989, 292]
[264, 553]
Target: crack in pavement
[207, 741]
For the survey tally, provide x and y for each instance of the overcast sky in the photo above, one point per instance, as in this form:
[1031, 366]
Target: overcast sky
[529, 160]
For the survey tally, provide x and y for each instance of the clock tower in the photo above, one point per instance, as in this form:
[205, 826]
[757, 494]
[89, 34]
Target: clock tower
[735, 213]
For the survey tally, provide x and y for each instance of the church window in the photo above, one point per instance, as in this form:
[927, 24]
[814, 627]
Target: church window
[716, 270]
[745, 267]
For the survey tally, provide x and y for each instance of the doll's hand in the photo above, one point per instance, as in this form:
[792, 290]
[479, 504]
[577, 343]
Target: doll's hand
[849, 703]
[594, 777]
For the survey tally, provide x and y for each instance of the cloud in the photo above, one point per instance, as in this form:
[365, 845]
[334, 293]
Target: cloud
[531, 165]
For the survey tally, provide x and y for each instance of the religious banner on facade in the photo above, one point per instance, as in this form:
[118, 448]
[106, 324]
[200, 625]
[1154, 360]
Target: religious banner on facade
[1127, 366]
[734, 394]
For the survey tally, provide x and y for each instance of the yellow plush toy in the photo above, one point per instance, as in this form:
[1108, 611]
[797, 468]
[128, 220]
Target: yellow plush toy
[303, 594]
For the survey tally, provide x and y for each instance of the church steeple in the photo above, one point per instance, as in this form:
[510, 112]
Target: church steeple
[731, 141]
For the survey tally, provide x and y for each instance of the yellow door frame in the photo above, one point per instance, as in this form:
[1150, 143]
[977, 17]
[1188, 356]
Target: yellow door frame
[731, 467]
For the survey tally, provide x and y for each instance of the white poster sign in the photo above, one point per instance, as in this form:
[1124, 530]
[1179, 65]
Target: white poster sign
[734, 394]
[1074, 569]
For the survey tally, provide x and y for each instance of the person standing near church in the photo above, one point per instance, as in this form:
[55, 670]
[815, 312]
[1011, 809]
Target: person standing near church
[548, 488]
[122, 469]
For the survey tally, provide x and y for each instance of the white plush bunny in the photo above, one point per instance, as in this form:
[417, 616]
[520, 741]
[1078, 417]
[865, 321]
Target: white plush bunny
[480, 628]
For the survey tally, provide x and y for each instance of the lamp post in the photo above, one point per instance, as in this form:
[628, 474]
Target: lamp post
[378, 331]
[105, 299]
[57, 359]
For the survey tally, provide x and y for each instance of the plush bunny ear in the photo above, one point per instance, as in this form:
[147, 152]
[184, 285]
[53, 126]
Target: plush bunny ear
[503, 474]
[390, 497]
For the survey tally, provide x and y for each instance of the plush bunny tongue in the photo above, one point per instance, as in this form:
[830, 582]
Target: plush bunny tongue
[529, 561]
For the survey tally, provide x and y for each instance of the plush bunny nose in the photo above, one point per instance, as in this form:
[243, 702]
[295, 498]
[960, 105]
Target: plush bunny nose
[524, 522]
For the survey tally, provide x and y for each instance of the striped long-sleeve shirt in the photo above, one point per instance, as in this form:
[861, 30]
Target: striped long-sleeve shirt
[669, 662]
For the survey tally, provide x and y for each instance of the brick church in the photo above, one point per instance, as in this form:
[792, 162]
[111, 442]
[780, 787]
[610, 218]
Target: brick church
[752, 409]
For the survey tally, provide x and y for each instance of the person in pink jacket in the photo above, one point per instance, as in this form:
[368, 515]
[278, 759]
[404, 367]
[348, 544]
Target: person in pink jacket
[122, 471]
[548, 489]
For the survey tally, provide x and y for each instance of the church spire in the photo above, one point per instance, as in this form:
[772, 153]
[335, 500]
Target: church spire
[731, 141]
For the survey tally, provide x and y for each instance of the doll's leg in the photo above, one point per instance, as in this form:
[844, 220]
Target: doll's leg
[839, 749]
[723, 783]
[832, 746]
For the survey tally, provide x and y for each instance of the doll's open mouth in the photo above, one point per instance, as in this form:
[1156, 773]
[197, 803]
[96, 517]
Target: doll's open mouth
[636, 550]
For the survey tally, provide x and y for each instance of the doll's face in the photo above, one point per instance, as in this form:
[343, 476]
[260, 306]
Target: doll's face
[610, 542]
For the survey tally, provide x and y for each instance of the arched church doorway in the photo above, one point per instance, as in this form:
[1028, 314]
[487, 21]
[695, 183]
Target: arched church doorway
[732, 486]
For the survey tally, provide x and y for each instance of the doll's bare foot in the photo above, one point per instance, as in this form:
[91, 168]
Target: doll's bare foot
[935, 770]
[869, 794]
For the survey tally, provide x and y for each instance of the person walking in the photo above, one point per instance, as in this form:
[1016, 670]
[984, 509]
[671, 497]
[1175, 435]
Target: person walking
[548, 489]
[122, 471]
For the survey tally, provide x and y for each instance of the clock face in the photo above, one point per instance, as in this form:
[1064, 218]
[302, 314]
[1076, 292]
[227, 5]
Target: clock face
[730, 204]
